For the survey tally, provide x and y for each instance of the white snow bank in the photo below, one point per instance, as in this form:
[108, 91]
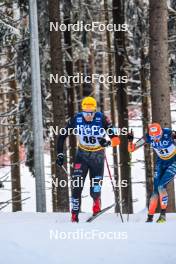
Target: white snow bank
[34, 238]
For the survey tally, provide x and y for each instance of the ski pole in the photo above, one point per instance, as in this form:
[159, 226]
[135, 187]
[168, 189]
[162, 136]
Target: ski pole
[64, 169]
[110, 176]
[130, 157]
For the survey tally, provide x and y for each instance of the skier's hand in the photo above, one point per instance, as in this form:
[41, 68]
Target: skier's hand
[131, 147]
[115, 141]
[60, 159]
[174, 135]
[130, 136]
[103, 142]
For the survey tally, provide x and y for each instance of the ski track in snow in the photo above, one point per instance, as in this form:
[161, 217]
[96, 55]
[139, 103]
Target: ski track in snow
[25, 238]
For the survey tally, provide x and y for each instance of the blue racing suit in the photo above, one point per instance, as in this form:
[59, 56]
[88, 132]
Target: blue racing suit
[165, 168]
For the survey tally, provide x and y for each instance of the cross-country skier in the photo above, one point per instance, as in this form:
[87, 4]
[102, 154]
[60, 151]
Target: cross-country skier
[93, 127]
[163, 141]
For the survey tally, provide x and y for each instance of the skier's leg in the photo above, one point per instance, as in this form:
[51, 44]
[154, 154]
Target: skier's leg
[168, 176]
[96, 177]
[78, 179]
[153, 203]
[155, 195]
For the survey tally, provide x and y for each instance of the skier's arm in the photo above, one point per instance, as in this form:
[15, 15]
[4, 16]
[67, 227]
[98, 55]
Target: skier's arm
[134, 146]
[107, 125]
[60, 142]
[61, 138]
[174, 136]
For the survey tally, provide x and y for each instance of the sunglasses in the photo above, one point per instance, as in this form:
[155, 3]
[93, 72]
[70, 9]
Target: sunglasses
[86, 114]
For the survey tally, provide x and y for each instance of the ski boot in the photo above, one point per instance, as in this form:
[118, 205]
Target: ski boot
[162, 217]
[149, 219]
[96, 206]
[74, 218]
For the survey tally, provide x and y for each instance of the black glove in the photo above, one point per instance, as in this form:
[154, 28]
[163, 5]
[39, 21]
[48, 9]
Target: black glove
[1, 184]
[130, 136]
[174, 135]
[60, 159]
[103, 142]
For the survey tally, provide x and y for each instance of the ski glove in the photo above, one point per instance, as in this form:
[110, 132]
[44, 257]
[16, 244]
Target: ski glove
[174, 135]
[131, 147]
[60, 159]
[103, 142]
[115, 141]
[130, 136]
[1, 184]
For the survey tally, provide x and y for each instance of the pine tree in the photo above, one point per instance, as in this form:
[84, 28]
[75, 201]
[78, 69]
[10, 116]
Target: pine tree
[112, 104]
[70, 72]
[57, 94]
[122, 105]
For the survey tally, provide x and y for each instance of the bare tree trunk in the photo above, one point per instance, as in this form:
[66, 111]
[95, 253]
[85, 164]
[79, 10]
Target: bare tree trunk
[122, 104]
[92, 62]
[57, 92]
[112, 105]
[53, 176]
[3, 109]
[160, 91]
[146, 105]
[70, 72]
[14, 145]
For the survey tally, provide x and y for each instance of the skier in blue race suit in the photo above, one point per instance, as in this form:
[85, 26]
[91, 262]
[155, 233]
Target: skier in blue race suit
[93, 127]
[163, 141]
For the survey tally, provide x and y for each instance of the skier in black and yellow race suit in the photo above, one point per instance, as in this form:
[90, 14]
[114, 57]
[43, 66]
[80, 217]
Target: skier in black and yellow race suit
[93, 127]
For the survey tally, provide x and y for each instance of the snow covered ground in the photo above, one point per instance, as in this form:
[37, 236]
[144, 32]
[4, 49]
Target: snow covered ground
[50, 238]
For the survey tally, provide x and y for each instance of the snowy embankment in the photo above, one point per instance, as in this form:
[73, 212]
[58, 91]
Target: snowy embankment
[50, 238]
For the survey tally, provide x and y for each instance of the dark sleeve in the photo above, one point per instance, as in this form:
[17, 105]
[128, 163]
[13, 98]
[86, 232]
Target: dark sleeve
[147, 138]
[61, 138]
[174, 136]
[107, 125]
